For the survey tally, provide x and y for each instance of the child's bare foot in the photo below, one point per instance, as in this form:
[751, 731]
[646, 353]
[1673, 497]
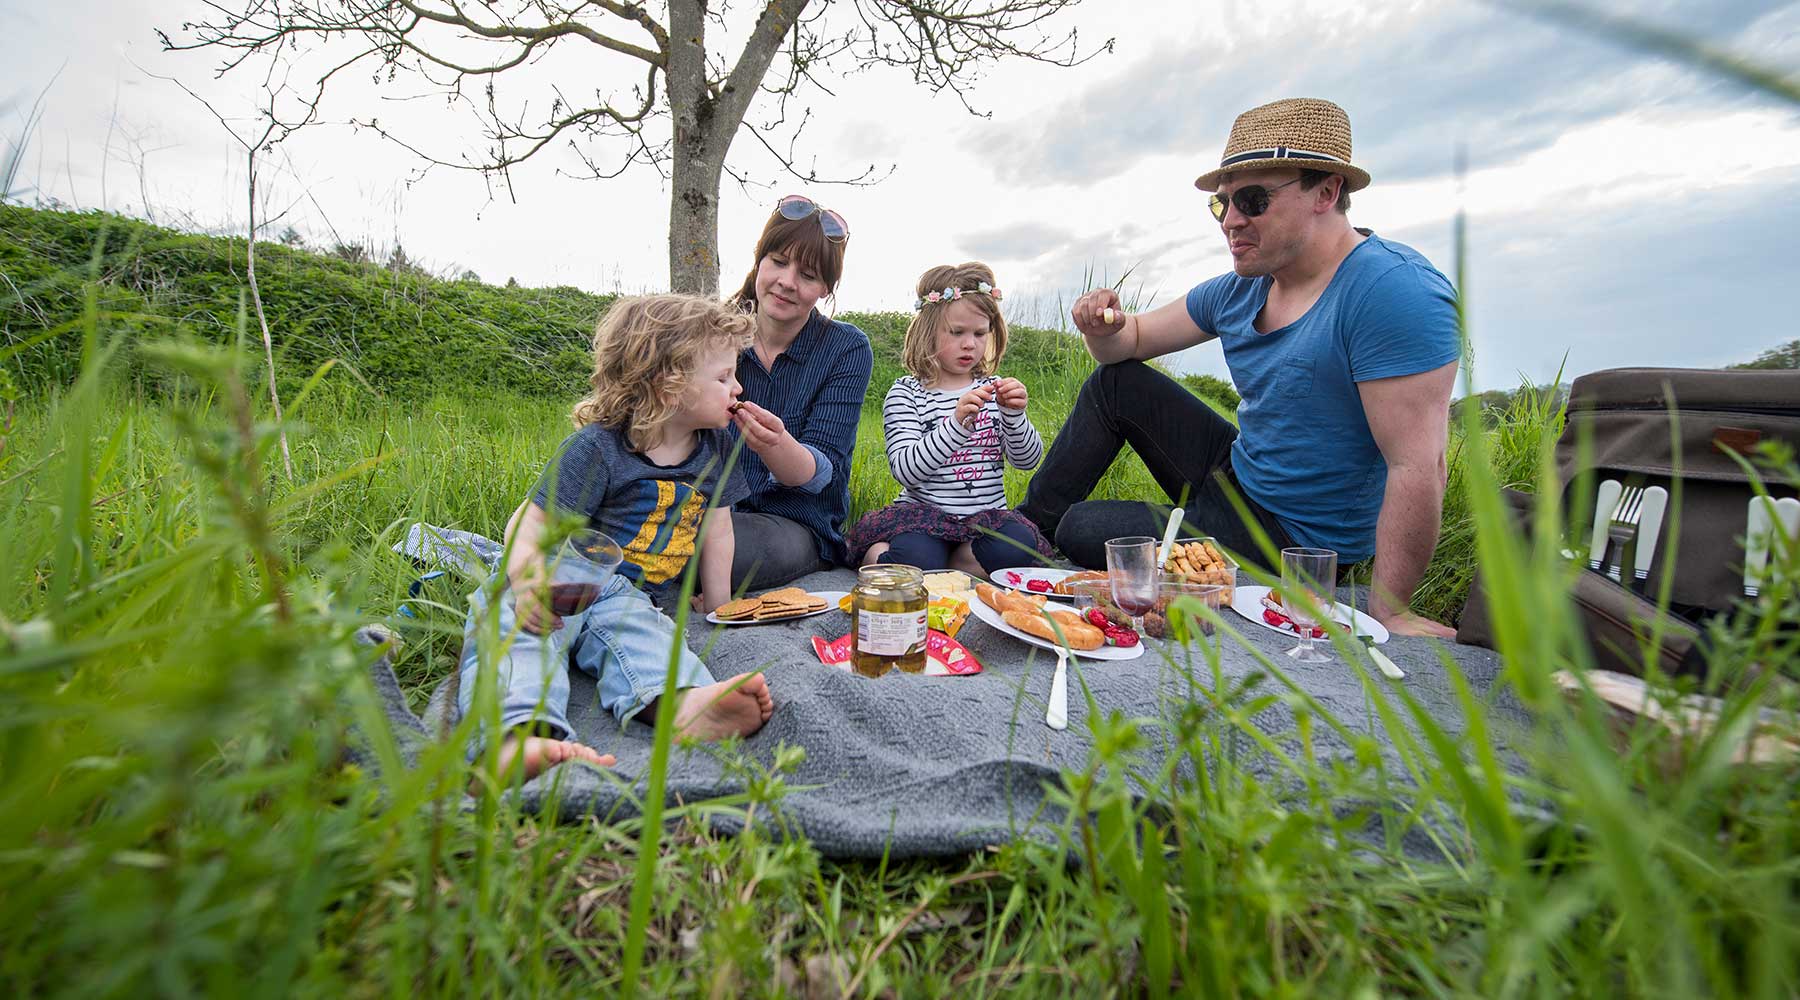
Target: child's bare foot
[735, 707]
[537, 754]
[874, 553]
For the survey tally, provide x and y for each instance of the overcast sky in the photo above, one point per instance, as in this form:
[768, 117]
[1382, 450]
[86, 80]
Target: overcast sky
[1622, 210]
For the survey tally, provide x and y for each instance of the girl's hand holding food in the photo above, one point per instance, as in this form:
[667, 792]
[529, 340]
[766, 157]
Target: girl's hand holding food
[971, 404]
[1011, 394]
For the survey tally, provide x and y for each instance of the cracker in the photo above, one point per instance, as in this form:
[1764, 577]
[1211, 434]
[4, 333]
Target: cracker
[741, 608]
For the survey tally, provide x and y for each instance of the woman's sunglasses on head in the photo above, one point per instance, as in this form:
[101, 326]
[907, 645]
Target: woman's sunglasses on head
[798, 206]
[1251, 199]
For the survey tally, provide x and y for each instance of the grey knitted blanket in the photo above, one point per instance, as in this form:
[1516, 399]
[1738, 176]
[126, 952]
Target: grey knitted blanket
[922, 766]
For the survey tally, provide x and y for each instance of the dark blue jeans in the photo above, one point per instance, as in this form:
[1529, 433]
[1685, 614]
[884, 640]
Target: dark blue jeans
[1183, 442]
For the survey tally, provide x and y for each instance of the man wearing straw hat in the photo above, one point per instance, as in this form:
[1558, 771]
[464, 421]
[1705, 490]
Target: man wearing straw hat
[1343, 345]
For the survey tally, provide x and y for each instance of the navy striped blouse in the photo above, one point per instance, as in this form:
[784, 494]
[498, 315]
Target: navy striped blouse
[816, 387]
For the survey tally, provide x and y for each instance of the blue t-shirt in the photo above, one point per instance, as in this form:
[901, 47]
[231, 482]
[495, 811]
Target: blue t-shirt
[1304, 450]
[652, 511]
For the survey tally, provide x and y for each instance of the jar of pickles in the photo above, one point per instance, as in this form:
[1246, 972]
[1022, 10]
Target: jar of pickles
[888, 608]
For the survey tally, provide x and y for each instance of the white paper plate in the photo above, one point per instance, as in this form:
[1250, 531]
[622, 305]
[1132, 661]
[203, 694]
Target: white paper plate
[992, 617]
[1026, 574]
[1248, 603]
[831, 598]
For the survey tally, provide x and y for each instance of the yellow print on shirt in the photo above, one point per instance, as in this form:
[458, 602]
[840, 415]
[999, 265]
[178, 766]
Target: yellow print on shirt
[663, 545]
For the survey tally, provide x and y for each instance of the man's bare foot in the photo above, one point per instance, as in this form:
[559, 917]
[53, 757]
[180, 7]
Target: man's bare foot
[537, 754]
[735, 707]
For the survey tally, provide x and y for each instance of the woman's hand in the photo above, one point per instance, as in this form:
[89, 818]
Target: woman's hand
[789, 461]
[1011, 394]
[761, 429]
[971, 403]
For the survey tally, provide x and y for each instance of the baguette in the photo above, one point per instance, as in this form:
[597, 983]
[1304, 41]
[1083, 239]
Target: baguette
[1002, 600]
[1075, 635]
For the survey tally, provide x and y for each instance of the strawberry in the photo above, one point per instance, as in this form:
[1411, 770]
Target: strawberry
[1038, 586]
[1013, 578]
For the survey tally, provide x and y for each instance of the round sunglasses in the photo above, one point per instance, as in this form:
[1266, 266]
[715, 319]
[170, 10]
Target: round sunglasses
[1251, 199]
[795, 207]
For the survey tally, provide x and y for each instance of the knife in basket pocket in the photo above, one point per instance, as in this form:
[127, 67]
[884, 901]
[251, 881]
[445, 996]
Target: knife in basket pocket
[1606, 501]
[1656, 501]
[1757, 522]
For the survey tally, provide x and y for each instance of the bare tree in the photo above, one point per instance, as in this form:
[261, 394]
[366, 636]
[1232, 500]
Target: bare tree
[692, 101]
[282, 111]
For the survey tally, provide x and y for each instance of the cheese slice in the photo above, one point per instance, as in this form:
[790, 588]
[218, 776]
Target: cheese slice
[950, 583]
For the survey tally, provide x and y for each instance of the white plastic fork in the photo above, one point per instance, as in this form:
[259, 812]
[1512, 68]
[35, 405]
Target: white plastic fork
[1624, 526]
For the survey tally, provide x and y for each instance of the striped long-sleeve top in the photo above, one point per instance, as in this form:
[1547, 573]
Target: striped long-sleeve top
[938, 461]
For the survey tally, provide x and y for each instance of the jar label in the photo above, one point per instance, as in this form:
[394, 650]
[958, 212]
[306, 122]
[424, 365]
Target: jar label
[889, 633]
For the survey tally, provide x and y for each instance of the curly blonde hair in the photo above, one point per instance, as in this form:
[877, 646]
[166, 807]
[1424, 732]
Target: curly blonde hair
[646, 350]
[919, 351]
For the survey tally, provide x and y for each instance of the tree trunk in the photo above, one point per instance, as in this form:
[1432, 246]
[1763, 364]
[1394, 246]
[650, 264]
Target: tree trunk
[694, 218]
[705, 124]
[694, 173]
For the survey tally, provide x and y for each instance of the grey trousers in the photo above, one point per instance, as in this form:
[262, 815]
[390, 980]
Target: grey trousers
[771, 551]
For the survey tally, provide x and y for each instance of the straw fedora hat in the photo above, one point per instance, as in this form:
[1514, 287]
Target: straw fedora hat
[1302, 132]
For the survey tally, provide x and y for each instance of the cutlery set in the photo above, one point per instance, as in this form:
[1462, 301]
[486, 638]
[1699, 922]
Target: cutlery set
[1631, 517]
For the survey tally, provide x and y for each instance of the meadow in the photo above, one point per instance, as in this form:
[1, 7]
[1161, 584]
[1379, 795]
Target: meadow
[178, 686]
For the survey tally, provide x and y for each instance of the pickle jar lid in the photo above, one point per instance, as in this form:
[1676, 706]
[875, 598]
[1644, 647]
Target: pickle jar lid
[889, 575]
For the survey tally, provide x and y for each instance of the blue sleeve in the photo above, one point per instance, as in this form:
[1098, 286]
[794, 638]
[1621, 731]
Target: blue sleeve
[1404, 325]
[822, 474]
[836, 409]
[1203, 302]
[577, 475]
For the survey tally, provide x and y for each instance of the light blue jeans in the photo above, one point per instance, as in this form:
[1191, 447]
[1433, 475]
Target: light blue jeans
[621, 640]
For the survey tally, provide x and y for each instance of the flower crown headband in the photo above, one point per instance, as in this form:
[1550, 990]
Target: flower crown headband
[952, 294]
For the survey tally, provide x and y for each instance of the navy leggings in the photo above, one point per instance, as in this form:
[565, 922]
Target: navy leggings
[1013, 545]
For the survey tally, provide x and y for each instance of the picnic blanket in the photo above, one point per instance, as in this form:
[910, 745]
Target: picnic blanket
[912, 765]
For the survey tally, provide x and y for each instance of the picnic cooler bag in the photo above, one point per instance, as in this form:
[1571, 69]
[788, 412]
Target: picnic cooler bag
[1623, 415]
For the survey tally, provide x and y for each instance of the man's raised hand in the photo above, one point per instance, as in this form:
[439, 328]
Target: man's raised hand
[1099, 313]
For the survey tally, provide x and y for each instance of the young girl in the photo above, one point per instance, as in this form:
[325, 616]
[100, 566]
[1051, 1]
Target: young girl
[952, 426]
[645, 463]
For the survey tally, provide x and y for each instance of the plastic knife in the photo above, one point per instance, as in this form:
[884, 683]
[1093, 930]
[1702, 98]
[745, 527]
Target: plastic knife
[1057, 715]
[1656, 500]
[1606, 500]
[1757, 521]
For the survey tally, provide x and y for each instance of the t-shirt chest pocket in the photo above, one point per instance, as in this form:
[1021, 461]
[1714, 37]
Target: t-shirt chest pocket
[1294, 378]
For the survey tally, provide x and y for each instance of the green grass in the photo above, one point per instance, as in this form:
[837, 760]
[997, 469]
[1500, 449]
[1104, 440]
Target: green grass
[177, 686]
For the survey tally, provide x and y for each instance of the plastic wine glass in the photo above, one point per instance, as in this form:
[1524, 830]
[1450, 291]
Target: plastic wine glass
[1308, 578]
[584, 562]
[1131, 567]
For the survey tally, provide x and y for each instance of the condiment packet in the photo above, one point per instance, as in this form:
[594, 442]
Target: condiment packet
[944, 656]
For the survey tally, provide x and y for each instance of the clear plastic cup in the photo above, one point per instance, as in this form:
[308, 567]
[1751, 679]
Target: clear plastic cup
[1171, 586]
[1090, 593]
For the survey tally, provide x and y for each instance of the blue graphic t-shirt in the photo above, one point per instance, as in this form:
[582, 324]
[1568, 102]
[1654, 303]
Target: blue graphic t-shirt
[1304, 450]
[652, 511]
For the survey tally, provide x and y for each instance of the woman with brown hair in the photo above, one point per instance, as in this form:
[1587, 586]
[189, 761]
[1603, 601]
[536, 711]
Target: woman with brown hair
[804, 377]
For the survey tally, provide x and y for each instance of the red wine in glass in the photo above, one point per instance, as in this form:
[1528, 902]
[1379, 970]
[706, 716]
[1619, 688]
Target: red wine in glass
[1133, 605]
[573, 598]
